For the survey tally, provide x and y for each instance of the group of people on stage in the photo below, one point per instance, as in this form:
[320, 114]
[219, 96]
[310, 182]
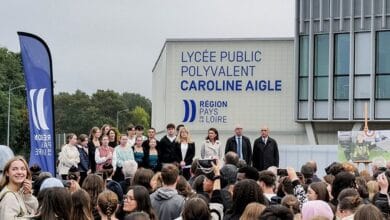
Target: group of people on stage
[106, 146]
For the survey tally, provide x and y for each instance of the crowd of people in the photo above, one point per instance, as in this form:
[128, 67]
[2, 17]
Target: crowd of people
[108, 175]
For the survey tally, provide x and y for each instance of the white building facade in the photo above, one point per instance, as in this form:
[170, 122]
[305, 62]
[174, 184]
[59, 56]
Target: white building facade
[219, 83]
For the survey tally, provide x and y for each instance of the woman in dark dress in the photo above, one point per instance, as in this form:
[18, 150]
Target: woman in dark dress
[185, 151]
[93, 143]
[113, 138]
[152, 157]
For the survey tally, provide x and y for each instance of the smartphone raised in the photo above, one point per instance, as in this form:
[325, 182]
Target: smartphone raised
[207, 163]
[282, 172]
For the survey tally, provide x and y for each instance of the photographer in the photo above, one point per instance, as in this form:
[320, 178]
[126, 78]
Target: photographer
[381, 199]
[212, 188]
[299, 191]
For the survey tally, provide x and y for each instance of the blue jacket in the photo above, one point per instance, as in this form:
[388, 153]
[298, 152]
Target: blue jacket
[84, 160]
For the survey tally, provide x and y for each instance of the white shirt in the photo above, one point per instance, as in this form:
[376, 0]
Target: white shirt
[269, 195]
[184, 148]
[171, 139]
[131, 141]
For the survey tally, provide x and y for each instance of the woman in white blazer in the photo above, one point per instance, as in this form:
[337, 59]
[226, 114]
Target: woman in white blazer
[211, 148]
[69, 156]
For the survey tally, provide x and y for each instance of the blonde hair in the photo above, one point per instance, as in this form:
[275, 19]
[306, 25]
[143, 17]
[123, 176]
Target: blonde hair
[92, 132]
[158, 180]
[179, 139]
[252, 211]
[108, 202]
[5, 179]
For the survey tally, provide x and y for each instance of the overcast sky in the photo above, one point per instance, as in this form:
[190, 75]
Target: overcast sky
[113, 44]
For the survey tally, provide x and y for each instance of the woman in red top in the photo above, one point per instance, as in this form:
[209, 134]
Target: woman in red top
[103, 154]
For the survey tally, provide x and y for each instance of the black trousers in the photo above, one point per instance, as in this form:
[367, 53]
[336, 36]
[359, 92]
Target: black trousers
[118, 175]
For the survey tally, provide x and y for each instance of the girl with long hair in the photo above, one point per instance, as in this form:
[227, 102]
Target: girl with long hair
[137, 200]
[107, 205]
[105, 129]
[84, 165]
[93, 185]
[54, 203]
[16, 199]
[93, 144]
[81, 205]
[103, 154]
[113, 137]
[185, 151]
[69, 156]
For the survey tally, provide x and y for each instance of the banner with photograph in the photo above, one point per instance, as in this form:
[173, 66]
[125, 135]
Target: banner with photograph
[363, 145]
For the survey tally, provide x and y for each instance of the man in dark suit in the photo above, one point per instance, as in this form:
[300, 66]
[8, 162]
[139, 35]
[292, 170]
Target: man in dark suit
[240, 145]
[265, 151]
[167, 145]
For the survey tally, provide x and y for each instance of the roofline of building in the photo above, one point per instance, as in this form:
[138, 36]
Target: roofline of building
[171, 40]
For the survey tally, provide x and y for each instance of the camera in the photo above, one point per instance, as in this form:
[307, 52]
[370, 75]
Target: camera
[206, 166]
[207, 163]
[282, 172]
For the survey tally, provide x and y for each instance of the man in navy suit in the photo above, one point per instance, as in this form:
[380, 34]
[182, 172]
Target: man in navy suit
[265, 151]
[240, 145]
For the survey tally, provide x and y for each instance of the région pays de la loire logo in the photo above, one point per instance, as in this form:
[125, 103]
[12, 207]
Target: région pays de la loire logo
[189, 110]
[37, 108]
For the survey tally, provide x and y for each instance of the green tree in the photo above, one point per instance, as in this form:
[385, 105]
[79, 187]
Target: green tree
[11, 76]
[140, 116]
[79, 112]
[133, 100]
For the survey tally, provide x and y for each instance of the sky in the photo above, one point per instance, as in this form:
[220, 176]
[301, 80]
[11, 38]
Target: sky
[102, 44]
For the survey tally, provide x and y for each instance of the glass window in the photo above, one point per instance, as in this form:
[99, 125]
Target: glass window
[341, 52]
[383, 52]
[341, 109]
[346, 8]
[321, 88]
[359, 108]
[382, 87]
[320, 110]
[304, 56]
[362, 53]
[382, 109]
[362, 87]
[321, 55]
[303, 67]
[341, 87]
[303, 88]
[303, 110]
